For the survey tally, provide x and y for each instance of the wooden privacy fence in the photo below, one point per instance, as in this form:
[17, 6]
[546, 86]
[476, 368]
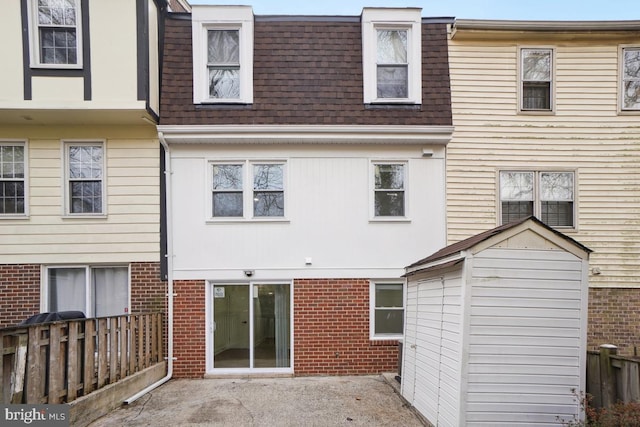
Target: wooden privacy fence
[612, 378]
[61, 361]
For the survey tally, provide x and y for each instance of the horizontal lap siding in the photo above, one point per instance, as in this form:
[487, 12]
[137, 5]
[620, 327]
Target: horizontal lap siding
[130, 230]
[524, 346]
[585, 133]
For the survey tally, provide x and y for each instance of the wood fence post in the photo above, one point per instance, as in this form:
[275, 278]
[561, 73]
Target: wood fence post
[607, 375]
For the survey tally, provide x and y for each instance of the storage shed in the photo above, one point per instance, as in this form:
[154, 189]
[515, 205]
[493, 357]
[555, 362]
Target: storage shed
[495, 329]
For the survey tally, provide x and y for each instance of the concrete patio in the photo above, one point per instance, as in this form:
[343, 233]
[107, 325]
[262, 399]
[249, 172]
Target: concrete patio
[308, 401]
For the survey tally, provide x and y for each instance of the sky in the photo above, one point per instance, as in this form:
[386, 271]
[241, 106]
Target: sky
[580, 10]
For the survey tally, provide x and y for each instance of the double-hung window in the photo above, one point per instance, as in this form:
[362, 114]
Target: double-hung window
[96, 291]
[222, 54]
[56, 33]
[391, 56]
[548, 195]
[389, 195]
[630, 78]
[12, 178]
[536, 79]
[240, 189]
[386, 310]
[84, 177]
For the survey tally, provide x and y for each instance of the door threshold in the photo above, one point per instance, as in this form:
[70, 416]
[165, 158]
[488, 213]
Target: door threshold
[247, 375]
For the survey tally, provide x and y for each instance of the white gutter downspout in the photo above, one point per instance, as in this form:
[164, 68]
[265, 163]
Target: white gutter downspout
[170, 295]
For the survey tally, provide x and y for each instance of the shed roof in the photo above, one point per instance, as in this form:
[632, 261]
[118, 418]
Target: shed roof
[457, 248]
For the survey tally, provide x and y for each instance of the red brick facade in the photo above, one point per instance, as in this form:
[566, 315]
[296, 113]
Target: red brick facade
[331, 330]
[614, 318]
[189, 329]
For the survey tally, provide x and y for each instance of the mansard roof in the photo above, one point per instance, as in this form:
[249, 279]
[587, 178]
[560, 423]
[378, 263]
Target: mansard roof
[306, 71]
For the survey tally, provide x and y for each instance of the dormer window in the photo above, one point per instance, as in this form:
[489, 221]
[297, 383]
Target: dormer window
[391, 56]
[222, 54]
[55, 33]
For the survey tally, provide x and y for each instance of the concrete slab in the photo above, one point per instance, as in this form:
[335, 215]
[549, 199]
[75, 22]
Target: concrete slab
[308, 401]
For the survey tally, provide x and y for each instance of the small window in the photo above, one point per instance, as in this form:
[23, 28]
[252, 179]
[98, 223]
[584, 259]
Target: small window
[85, 178]
[389, 190]
[548, 195]
[268, 190]
[12, 179]
[247, 188]
[392, 64]
[387, 310]
[56, 33]
[631, 78]
[536, 79]
[96, 291]
[223, 63]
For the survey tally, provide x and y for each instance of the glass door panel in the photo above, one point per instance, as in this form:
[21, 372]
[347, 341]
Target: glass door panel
[231, 326]
[271, 326]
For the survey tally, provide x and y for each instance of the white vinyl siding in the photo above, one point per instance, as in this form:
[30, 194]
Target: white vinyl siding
[586, 134]
[130, 232]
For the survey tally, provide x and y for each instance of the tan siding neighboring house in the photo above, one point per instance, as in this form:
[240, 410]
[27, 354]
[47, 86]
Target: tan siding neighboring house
[585, 133]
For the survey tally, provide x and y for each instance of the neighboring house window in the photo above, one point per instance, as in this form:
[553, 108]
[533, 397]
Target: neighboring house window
[96, 291]
[631, 78]
[262, 193]
[548, 195]
[56, 33]
[12, 178]
[387, 310]
[392, 60]
[536, 72]
[85, 178]
[389, 190]
[222, 54]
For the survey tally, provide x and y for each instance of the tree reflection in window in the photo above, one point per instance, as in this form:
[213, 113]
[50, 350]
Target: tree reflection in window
[268, 190]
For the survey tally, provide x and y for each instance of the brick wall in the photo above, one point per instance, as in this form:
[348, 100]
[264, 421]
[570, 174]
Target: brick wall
[19, 293]
[189, 329]
[331, 330]
[614, 318]
[148, 291]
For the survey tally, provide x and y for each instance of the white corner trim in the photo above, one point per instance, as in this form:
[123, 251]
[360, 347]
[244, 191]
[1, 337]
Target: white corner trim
[306, 134]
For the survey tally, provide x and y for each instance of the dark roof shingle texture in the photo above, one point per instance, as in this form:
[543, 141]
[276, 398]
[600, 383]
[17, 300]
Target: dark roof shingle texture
[305, 73]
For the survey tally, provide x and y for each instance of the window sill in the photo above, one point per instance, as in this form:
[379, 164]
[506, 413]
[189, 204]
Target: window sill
[393, 105]
[223, 105]
[537, 112]
[629, 112]
[13, 216]
[85, 216]
[385, 341]
[390, 219]
[247, 220]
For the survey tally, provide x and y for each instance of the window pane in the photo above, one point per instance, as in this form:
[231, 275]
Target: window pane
[268, 177]
[388, 321]
[58, 46]
[556, 186]
[557, 214]
[516, 186]
[110, 291]
[514, 211]
[392, 47]
[224, 83]
[227, 177]
[11, 161]
[632, 94]
[536, 96]
[389, 176]
[85, 162]
[86, 197]
[631, 63]
[389, 295]
[223, 47]
[393, 81]
[268, 203]
[67, 289]
[227, 204]
[389, 203]
[11, 197]
[536, 64]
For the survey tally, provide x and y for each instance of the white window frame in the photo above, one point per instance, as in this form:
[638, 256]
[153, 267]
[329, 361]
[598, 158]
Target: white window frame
[205, 18]
[537, 200]
[24, 179]
[34, 38]
[622, 81]
[66, 179]
[552, 83]
[88, 306]
[247, 190]
[372, 191]
[372, 309]
[409, 19]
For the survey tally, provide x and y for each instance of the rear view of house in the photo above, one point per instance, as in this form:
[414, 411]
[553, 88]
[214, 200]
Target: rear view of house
[305, 165]
[79, 157]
